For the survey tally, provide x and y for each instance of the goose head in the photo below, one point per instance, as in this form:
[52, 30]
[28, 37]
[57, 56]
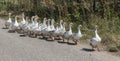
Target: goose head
[36, 20]
[27, 19]
[70, 27]
[70, 24]
[23, 15]
[44, 21]
[95, 29]
[32, 19]
[52, 24]
[79, 26]
[61, 21]
[9, 15]
[61, 26]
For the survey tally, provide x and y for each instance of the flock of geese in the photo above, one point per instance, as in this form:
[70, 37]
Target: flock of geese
[48, 30]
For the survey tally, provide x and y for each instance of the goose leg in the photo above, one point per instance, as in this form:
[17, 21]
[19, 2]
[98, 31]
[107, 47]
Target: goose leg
[35, 35]
[76, 42]
[68, 40]
[60, 37]
[97, 48]
[5, 26]
[92, 46]
[63, 40]
[53, 38]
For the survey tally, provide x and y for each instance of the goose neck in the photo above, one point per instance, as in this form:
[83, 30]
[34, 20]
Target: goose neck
[79, 32]
[15, 19]
[96, 34]
[70, 29]
[48, 22]
[9, 16]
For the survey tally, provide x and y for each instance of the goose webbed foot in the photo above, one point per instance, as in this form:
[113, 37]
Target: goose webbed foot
[98, 49]
[68, 40]
[35, 35]
[75, 42]
[53, 38]
[63, 40]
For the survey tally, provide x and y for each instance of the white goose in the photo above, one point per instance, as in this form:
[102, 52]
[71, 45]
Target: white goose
[77, 35]
[15, 25]
[23, 22]
[8, 22]
[95, 40]
[25, 26]
[28, 25]
[68, 34]
[52, 25]
[36, 25]
[32, 23]
[63, 30]
[61, 26]
[37, 30]
[48, 27]
[44, 25]
[54, 33]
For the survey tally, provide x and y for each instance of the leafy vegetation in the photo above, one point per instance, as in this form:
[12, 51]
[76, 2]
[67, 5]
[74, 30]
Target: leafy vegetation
[104, 13]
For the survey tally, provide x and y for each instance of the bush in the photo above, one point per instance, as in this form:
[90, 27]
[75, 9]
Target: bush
[113, 49]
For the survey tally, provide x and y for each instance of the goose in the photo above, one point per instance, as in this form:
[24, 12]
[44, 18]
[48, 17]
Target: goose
[77, 35]
[8, 22]
[23, 19]
[61, 26]
[48, 29]
[32, 22]
[25, 26]
[54, 33]
[68, 34]
[37, 30]
[63, 30]
[43, 27]
[60, 30]
[23, 22]
[35, 22]
[15, 25]
[48, 26]
[34, 26]
[52, 25]
[95, 40]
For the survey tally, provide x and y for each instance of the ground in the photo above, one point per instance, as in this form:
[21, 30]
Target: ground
[16, 48]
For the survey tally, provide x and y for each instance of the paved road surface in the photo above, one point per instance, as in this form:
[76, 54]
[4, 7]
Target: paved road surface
[16, 48]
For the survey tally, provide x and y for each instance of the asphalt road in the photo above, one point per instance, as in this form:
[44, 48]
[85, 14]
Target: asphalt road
[16, 48]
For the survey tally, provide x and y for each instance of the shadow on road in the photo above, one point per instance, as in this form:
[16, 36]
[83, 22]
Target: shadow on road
[61, 42]
[22, 35]
[71, 43]
[88, 49]
[4, 28]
